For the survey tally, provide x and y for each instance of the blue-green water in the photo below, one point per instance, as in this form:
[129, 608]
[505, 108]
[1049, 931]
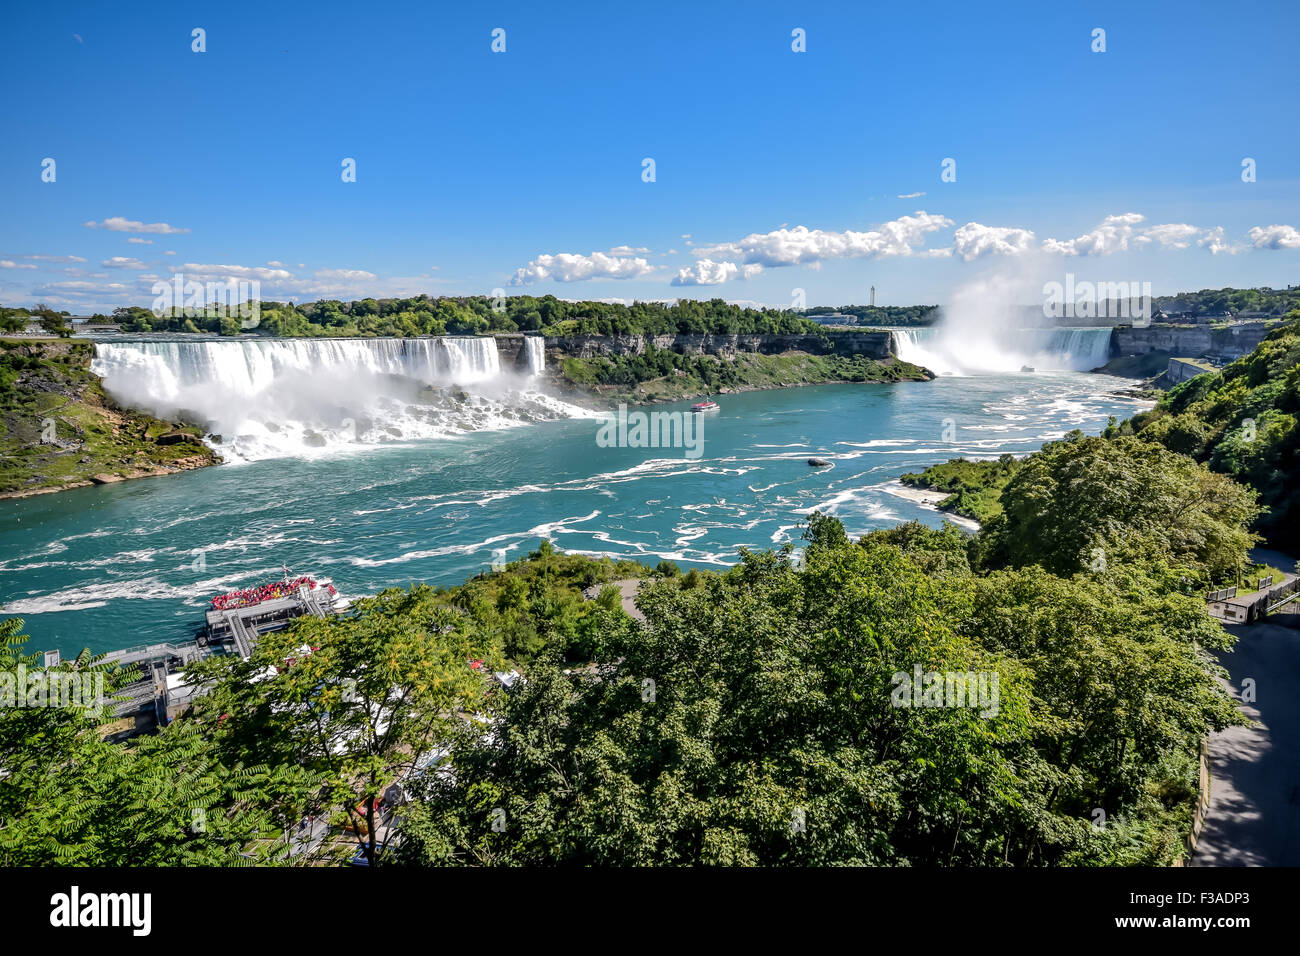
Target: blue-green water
[114, 566]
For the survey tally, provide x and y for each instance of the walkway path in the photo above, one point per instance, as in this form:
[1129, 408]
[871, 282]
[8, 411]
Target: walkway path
[1254, 812]
[627, 587]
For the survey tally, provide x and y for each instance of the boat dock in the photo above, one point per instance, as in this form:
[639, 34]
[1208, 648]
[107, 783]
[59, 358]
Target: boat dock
[161, 693]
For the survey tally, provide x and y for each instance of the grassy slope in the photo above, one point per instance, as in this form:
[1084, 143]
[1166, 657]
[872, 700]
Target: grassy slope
[49, 381]
[711, 376]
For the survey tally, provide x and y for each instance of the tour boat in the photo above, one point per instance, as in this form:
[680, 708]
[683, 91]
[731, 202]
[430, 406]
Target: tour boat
[705, 406]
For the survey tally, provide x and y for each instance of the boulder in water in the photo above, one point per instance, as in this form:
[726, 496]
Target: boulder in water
[313, 439]
[818, 462]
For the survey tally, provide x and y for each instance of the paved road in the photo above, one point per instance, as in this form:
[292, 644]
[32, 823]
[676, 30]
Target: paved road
[1254, 812]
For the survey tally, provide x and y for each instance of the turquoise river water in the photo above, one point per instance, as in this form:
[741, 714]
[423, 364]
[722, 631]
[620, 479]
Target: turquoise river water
[120, 565]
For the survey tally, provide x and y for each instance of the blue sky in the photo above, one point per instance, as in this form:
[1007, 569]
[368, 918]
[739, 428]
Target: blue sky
[774, 170]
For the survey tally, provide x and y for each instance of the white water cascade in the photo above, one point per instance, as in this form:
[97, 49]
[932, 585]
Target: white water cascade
[267, 398]
[947, 350]
[535, 347]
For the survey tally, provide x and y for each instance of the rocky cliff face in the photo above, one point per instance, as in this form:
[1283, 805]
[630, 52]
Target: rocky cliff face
[510, 351]
[1189, 341]
[875, 345]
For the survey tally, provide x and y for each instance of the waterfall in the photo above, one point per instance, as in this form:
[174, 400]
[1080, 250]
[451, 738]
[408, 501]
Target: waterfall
[536, 353]
[271, 397]
[949, 350]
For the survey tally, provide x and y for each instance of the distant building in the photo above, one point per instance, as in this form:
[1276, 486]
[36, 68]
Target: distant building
[873, 296]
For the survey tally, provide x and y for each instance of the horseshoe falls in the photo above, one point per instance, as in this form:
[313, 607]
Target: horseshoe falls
[274, 398]
[953, 350]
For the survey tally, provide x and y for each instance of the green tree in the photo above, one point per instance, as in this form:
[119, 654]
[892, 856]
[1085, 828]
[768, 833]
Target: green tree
[1084, 503]
[70, 797]
[359, 701]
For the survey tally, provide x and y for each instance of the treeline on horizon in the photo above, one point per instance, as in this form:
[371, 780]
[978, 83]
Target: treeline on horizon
[476, 315]
[902, 315]
[754, 716]
[1274, 302]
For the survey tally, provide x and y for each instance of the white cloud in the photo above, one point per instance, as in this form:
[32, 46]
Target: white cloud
[572, 267]
[708, 272]
[1213, 240]
[343, 274]
[10, 264]
[911, 195]
[801, 245]
[196, 270]
[1275, 237]
[56, 258]
[974, 240]
[627, 250]
[136, 240]
[122, 262]
[80, 288]
[119, 224]
[1112, 235]
[1178, 235]
[277, 263]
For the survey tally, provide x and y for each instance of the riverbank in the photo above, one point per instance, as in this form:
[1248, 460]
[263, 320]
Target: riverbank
[59, 430]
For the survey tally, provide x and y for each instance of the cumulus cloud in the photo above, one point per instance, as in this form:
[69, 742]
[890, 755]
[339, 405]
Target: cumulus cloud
[1212, 239]
[708, 272]
[1274, 237]
[801, 245]
[1177, 235]
[1111, 236]
[627, 250]
[974, 240]
[122, 262]
[136, 240]
[119, 224]
[572, 267]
